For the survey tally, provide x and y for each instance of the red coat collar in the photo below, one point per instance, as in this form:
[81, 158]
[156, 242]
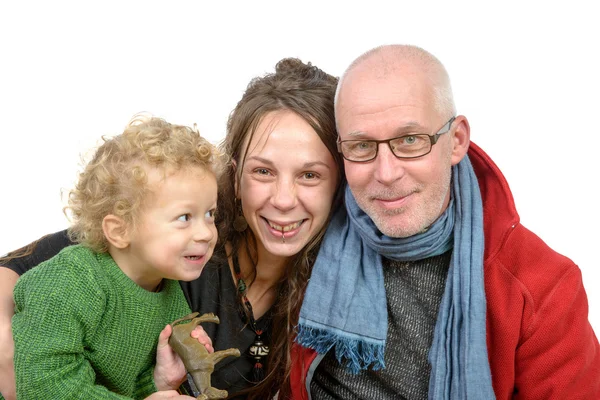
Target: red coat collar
[499, 211]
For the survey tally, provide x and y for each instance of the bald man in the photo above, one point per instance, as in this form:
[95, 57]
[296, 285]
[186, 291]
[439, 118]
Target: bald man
[427, 285]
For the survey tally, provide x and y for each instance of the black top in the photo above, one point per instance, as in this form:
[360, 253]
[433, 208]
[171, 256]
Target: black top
[45, 248]
[214, 291]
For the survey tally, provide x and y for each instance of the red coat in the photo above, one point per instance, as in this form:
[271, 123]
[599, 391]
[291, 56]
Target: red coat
[540, 342]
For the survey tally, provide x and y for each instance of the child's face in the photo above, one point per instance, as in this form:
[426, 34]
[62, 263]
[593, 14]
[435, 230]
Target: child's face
[176, 233]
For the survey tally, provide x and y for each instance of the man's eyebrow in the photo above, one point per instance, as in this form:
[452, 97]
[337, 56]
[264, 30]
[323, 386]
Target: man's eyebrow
[356, 134]
[409, 127]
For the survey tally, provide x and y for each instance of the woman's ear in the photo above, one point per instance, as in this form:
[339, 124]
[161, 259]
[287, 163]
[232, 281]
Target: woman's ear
[460, 139]
[236, 182]
[116, 231]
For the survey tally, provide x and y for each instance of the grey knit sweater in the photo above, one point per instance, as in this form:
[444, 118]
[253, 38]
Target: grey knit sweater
[414, 291]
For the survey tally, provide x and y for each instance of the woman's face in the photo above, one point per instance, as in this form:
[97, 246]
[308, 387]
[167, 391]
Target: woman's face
[287, 184]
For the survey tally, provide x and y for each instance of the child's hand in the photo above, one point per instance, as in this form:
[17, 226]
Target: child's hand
[169, 372]
[168, 394]
[200, 334]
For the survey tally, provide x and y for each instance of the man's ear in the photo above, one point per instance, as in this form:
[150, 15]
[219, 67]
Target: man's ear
[116, 231]
[460, 139]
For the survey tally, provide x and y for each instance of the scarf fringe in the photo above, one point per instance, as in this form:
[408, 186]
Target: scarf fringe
[354, 354]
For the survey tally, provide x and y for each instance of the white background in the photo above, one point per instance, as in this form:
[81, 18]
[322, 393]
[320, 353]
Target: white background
[525, 73]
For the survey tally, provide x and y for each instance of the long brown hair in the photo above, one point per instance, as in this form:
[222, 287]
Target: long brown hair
[24, 251]
[309, 92]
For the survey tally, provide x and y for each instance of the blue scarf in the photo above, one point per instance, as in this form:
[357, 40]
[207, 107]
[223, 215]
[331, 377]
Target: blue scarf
[345, 303]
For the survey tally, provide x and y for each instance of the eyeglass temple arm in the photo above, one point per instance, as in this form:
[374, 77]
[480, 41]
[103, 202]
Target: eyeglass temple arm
[434, 138]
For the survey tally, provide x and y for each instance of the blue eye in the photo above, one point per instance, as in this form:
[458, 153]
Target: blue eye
[184, 217]
[409, 139]
[361, 146]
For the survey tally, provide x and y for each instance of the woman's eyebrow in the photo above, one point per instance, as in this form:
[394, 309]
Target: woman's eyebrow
[315, 163]
[305, 165]
[259, 159]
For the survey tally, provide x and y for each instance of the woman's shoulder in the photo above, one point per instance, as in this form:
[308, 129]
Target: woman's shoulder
[31, 255]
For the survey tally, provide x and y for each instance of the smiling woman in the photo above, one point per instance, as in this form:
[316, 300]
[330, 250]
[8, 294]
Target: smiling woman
[281, 138]
[287, 183]
[283, 179]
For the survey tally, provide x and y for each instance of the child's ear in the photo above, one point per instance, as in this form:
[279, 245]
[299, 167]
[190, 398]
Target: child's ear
[116, 231]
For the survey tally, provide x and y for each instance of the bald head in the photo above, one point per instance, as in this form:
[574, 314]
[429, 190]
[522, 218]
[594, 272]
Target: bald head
[390, 98]
[398, 61]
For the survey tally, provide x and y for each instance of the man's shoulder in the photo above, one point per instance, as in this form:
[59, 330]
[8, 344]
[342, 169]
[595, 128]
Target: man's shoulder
[526, 262]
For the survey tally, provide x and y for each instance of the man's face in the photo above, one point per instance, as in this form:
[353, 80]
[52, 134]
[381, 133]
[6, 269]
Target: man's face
[402, 197]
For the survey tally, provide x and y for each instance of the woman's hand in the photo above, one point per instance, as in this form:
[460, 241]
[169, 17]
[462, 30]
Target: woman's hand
[169, 372]
[7, 370]
[8, 279]
[168, 394]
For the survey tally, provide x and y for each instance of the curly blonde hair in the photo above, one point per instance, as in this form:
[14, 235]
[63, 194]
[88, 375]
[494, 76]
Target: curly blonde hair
[115, 180]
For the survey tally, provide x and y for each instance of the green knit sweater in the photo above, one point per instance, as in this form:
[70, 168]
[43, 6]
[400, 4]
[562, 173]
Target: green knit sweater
[84, 330]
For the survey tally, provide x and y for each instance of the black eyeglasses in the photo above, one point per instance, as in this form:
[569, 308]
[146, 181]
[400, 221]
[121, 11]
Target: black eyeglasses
[407, 146]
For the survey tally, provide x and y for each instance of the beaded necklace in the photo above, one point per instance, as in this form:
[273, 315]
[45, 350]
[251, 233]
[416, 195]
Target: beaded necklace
[258, 350]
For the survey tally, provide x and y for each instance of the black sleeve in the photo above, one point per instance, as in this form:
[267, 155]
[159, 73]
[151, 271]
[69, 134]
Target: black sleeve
[41, 250]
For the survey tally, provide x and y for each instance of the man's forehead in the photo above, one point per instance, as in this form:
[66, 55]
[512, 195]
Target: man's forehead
[364, 86]
[378, 101]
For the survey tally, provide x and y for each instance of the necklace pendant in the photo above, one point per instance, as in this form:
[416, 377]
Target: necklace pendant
[258, 350]
[241, 286]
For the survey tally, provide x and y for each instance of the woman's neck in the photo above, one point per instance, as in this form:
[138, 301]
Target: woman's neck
[262, 280]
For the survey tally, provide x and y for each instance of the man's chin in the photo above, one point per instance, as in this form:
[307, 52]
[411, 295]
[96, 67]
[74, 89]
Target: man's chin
[394, 225]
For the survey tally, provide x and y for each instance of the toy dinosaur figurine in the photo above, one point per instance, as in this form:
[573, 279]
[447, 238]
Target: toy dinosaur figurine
[197, 360]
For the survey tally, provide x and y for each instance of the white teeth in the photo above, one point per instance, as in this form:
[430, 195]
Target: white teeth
[286, 228]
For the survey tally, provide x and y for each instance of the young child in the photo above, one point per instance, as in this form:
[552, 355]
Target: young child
[87, 320]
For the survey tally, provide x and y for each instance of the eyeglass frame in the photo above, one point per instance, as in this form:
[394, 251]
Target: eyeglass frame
[433, 138]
